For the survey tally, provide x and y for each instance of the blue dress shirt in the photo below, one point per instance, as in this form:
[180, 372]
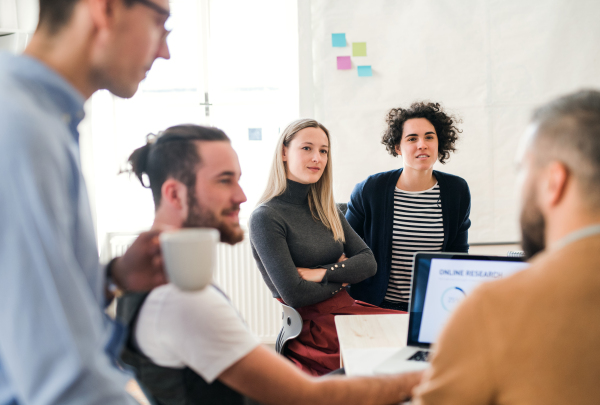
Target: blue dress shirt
[56, 344]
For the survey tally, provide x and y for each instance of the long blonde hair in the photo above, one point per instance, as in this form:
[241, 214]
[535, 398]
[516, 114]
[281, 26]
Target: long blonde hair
[320, 195]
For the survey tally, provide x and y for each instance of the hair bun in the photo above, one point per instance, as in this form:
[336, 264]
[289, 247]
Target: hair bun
[138, 160]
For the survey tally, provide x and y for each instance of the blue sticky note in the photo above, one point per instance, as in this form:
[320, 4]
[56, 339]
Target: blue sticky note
[338, 40]
[255, 134]
[364, 71]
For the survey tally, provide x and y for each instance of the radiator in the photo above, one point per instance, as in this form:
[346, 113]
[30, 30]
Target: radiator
[237, 275]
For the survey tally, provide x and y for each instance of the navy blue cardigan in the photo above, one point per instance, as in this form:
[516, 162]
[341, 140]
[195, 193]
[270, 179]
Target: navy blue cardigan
[370, 213]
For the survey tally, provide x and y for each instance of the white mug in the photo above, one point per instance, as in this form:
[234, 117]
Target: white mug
[190, 256]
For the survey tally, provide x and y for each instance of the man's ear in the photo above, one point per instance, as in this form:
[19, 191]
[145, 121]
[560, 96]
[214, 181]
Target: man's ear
[101, 12]
[174, 194]
[556, 179]
[398, 150]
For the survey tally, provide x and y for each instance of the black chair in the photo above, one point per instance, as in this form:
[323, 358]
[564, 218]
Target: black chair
[290, 329]
[343, 207]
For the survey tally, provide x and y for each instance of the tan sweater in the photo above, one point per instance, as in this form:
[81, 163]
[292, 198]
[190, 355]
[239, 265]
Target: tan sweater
[533, 338]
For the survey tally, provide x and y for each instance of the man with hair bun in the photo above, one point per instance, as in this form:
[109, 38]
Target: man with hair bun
[532, 338]
[193, 347]
[56, 344]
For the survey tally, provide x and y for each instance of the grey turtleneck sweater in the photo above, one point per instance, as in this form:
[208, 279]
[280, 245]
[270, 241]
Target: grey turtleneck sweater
[284, 235]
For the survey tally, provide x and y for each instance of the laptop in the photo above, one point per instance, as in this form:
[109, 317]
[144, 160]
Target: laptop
[440, 282]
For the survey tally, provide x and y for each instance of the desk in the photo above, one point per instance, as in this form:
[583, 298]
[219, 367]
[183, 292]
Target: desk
[367, 340]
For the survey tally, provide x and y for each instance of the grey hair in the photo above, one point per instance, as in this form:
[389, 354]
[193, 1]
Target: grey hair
[569, 131]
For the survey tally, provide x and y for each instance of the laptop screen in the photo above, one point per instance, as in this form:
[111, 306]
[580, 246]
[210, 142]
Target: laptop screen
[441, 281]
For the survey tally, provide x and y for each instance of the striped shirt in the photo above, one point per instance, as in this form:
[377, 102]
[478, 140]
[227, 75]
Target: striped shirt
[418, 226]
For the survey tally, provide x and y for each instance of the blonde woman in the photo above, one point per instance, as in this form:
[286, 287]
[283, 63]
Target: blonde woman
[304, 247]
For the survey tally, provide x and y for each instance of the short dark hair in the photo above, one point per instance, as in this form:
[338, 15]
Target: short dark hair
[54, 14]
[569, 131]
[173, 153]
[444, 124]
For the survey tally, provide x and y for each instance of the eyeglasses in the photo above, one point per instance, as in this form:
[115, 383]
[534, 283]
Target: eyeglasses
[159, 10]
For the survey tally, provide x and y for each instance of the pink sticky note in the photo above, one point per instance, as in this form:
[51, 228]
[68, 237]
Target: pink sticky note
[344, 63]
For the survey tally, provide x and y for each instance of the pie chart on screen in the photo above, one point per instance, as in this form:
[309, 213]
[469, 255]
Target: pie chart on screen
[452, 297]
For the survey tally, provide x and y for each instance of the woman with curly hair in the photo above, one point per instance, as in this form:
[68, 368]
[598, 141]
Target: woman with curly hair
[411, 209]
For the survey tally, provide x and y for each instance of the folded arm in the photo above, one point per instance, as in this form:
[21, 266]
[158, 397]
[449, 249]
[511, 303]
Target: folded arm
[268, 237]
[360, 264]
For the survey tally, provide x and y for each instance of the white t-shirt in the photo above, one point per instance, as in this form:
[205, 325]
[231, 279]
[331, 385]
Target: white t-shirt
[200, 330]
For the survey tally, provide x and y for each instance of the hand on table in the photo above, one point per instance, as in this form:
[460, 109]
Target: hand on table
[412, 380]
[141, 267]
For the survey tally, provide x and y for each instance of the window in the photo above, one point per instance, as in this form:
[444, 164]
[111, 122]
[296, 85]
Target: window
[234, 65]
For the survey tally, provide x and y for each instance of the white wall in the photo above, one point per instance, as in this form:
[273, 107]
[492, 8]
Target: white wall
[251, 68]
[18, 19]
[491, 62]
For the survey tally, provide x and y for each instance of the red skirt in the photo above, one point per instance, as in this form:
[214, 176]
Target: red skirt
[317, 349]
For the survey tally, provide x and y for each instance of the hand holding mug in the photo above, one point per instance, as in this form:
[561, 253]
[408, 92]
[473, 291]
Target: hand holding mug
[141, 267]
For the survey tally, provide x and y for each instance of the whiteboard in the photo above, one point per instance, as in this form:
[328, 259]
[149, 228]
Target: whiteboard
[490, 62]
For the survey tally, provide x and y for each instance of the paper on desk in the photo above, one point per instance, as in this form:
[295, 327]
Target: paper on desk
[361, 362]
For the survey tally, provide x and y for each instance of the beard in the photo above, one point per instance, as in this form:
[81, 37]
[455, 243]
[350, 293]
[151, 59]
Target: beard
[198, 217]
[533, 227]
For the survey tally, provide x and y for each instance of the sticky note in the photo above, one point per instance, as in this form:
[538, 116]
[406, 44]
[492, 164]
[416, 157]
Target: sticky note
[255, 134]
[364, 71]
[359, 49]
[338, 40]
[344, 63]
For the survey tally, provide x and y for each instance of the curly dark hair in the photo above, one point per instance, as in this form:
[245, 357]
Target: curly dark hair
[444, 124]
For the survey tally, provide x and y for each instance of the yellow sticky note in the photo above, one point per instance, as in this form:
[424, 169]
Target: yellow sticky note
[359, 49]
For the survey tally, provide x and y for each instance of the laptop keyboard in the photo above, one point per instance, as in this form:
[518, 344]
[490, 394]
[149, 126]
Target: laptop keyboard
[420, 356]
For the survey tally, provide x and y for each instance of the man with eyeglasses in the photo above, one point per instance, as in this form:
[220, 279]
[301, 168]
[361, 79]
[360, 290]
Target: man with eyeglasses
[56, 344]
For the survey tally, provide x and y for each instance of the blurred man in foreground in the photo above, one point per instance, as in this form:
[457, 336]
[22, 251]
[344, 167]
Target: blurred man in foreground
[193, 347]
[56, 346]
[532, 338]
